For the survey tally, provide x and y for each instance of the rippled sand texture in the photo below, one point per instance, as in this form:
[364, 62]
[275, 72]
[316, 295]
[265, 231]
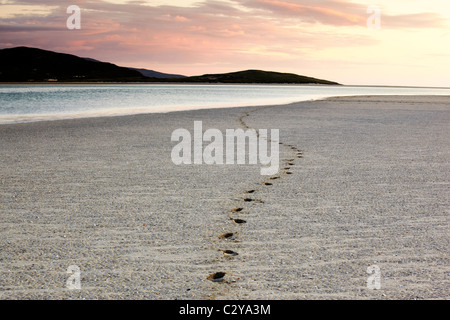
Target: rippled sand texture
[363, 181]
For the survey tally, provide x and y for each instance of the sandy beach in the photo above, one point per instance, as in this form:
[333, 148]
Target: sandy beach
[368, 185]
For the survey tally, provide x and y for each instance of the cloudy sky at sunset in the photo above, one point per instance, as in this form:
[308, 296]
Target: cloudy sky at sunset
[327, 39]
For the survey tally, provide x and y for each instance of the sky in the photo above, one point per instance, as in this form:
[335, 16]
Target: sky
[358, 42]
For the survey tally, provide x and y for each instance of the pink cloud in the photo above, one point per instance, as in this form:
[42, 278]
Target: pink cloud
[326, 13]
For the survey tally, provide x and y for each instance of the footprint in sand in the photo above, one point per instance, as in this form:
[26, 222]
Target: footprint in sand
[239, 221]
[227, 253]
[252, 200]
[228, 235]
[216, 276]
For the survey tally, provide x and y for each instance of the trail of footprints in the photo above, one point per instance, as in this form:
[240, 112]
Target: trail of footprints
[232, 236]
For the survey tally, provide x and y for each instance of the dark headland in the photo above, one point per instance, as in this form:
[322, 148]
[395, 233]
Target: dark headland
[25, 64]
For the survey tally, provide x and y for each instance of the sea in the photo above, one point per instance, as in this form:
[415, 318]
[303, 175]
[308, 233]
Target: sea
[42, 102]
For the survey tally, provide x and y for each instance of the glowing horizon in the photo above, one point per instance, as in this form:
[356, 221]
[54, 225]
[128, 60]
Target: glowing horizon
[327, 39]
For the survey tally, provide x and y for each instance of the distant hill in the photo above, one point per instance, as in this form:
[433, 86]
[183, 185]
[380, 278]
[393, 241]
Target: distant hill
[149, 73]
[257, 76]
[24, 64]
[156, 74]
[32, 64]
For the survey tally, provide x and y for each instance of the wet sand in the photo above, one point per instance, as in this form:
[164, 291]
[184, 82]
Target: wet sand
[368, 185]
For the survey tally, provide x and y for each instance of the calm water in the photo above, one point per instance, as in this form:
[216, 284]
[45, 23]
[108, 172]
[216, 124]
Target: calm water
[25, 103]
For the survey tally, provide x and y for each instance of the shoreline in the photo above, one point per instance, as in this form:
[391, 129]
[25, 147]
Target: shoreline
[125, 112]
[368, 185]
[222, 83]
